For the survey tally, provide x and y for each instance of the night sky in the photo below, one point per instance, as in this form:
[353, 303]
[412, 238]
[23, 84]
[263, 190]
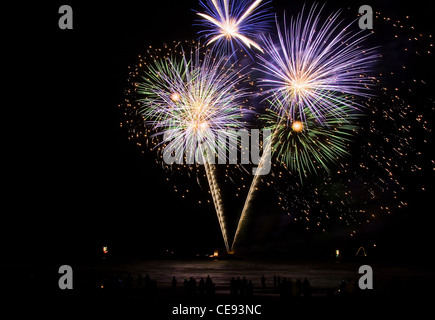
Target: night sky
[73, 180]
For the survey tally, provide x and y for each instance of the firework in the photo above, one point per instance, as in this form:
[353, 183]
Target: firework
[309, 86]
[187, 102]
[190, 101]
[307, 147]
[230, 22]
[391, 147]
[304, 148]
[315, 67]
[313, 79]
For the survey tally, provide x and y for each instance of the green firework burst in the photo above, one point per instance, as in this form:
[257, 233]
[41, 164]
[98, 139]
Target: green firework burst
[306, 146]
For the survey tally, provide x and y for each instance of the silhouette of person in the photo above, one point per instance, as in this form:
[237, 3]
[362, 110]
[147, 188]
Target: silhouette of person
[208, 280]
[263, 281]
[201, 286]
[292, 288]
[299, 286]
[192, 286]
[250, 289]
[243, 286]
[209, 286]
[186, 286]
[238, 286]
[153, 287]
[283, 288]
[174, 285]
[274, 281]
[233, 290]
[139, 281]
[147, 280]
[306, 287]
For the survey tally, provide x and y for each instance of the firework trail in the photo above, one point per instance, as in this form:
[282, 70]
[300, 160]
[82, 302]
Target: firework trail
[214, 189]
[230, 22]
[187, 102]
[312, 78]
[251, 193]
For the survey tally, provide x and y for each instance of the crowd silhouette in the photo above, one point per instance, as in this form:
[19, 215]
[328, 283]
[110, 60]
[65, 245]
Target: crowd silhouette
[191, 287]
[116, 285]
[241, 287]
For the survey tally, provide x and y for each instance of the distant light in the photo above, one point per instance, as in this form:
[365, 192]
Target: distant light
[216, 253]
[337, 253]
[105, 250]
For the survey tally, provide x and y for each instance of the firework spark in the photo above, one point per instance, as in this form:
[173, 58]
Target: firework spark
[227, 22]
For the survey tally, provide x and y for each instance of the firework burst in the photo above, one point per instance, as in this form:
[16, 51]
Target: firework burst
[190, 101]
[316, 67]
[305, 148]
[230, 22]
